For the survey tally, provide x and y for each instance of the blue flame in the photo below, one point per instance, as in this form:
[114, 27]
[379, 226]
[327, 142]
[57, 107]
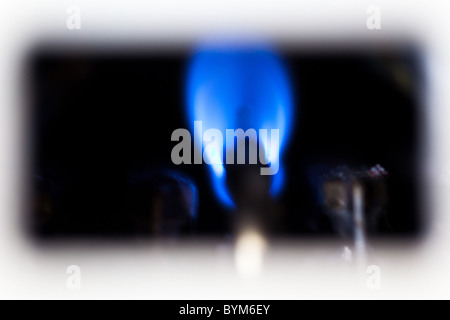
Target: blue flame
[238, 86]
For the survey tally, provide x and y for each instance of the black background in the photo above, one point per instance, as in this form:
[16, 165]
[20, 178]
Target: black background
[99, 119]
